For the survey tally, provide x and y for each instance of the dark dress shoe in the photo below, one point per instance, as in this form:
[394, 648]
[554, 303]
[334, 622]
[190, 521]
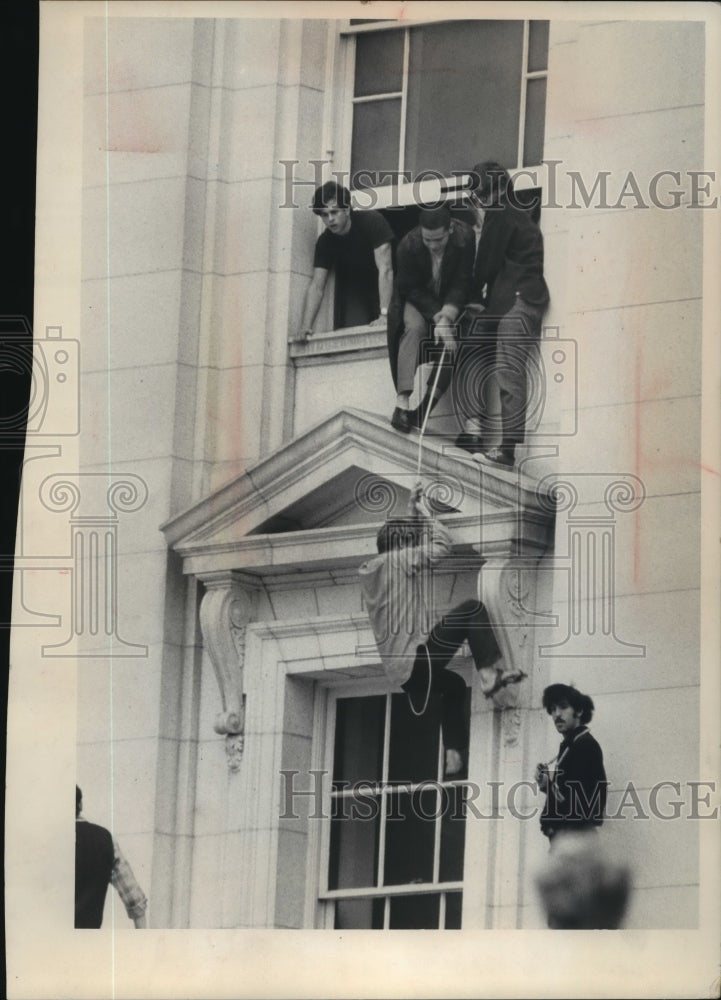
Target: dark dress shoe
[470, 442]
[401, 420]
[498, 456]
[418, 415]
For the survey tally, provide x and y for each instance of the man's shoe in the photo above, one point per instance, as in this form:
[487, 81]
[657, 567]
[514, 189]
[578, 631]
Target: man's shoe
[498, 456]
[401, 420]
[469, 442]
[418, 415]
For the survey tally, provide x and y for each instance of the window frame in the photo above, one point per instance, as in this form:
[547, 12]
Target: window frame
[343, 117]
[325, 898]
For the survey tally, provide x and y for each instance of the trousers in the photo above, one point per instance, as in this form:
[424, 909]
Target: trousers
[495, 353]
[416, 337]
[469, 622]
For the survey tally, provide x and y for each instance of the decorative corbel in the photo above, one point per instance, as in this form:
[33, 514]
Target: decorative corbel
[225, 611]
[507, 587]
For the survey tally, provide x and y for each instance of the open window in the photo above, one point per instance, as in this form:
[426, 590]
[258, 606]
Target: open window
[422, 104]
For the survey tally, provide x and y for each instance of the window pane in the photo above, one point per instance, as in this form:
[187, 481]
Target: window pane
[413, 754]
[376, 137]
[354, 844]
[463, 94]
[359, 914]
[359, 739]
[413, 913]
[454, 903]
[537, 46]
[535, 122]
[378, 63]
[453, 834]
[410, 835]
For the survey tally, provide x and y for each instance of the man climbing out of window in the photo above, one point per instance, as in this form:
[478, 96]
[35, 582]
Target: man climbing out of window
[357, 247]
[433, 280]
[398, 593]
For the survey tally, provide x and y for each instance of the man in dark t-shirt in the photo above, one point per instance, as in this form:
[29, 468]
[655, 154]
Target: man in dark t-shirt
[356, 246]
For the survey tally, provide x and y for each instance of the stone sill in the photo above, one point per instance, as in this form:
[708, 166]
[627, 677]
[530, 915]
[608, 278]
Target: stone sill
[349, 340]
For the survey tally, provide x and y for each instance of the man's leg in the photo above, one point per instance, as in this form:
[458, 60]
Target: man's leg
[517, 333]
[474, 387]
[415, 331]
[470, 621]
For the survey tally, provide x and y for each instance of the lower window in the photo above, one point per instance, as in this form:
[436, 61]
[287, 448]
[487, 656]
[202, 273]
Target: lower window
[396, 836]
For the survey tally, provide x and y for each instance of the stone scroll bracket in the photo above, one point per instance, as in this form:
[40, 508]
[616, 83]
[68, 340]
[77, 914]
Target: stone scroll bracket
[226, 609]
[507, 587]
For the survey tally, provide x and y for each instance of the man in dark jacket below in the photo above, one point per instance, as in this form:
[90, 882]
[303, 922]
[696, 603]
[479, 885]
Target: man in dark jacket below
[575, 780]
[508, 284]
[433, 280]
[99, 862]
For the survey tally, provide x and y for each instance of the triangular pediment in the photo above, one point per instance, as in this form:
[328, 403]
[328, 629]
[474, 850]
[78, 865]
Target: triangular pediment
[340, 479]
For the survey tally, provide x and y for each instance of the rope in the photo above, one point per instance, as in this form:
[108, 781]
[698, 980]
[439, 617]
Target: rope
[428, 691]
[428, 411]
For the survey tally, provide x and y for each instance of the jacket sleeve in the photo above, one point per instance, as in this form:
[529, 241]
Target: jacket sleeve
[411, 278]
[523, 264]
[458, 292]
[584, 783]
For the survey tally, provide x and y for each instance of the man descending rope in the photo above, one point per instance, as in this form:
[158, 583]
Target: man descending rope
[397, 587]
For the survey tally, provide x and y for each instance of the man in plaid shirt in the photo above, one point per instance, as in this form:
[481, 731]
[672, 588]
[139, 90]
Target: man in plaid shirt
[98, 863]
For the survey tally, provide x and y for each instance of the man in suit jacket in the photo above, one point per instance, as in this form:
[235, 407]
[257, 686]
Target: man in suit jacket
[508, 284]
[433, 278]
[575, 781]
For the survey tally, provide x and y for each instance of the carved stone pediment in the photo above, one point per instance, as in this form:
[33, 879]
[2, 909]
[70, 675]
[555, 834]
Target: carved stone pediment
[318, 500]
[313, 508]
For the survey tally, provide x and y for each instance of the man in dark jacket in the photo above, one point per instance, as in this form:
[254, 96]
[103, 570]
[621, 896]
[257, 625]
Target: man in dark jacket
[98, 863]
[509, 286]
[575, 780]
[433, 279]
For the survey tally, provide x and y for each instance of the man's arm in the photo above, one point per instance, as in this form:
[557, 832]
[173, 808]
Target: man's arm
[435, 542]
[384, 263]
[312, 301]
[458, 291]
[126, 885]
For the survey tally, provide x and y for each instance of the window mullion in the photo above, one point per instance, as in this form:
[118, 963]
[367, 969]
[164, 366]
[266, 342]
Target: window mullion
[442, 912]
[524, 85]
[404, 101]
[384, 783]
[392, 95]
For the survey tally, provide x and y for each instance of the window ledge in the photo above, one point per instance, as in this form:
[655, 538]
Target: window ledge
[349, 339]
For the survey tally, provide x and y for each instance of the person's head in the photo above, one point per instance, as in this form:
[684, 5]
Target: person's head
[435, 226]
[582, 886]
[491, 182]
[568, 708]
[397, 533]
[78, 801]
[331, 202]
